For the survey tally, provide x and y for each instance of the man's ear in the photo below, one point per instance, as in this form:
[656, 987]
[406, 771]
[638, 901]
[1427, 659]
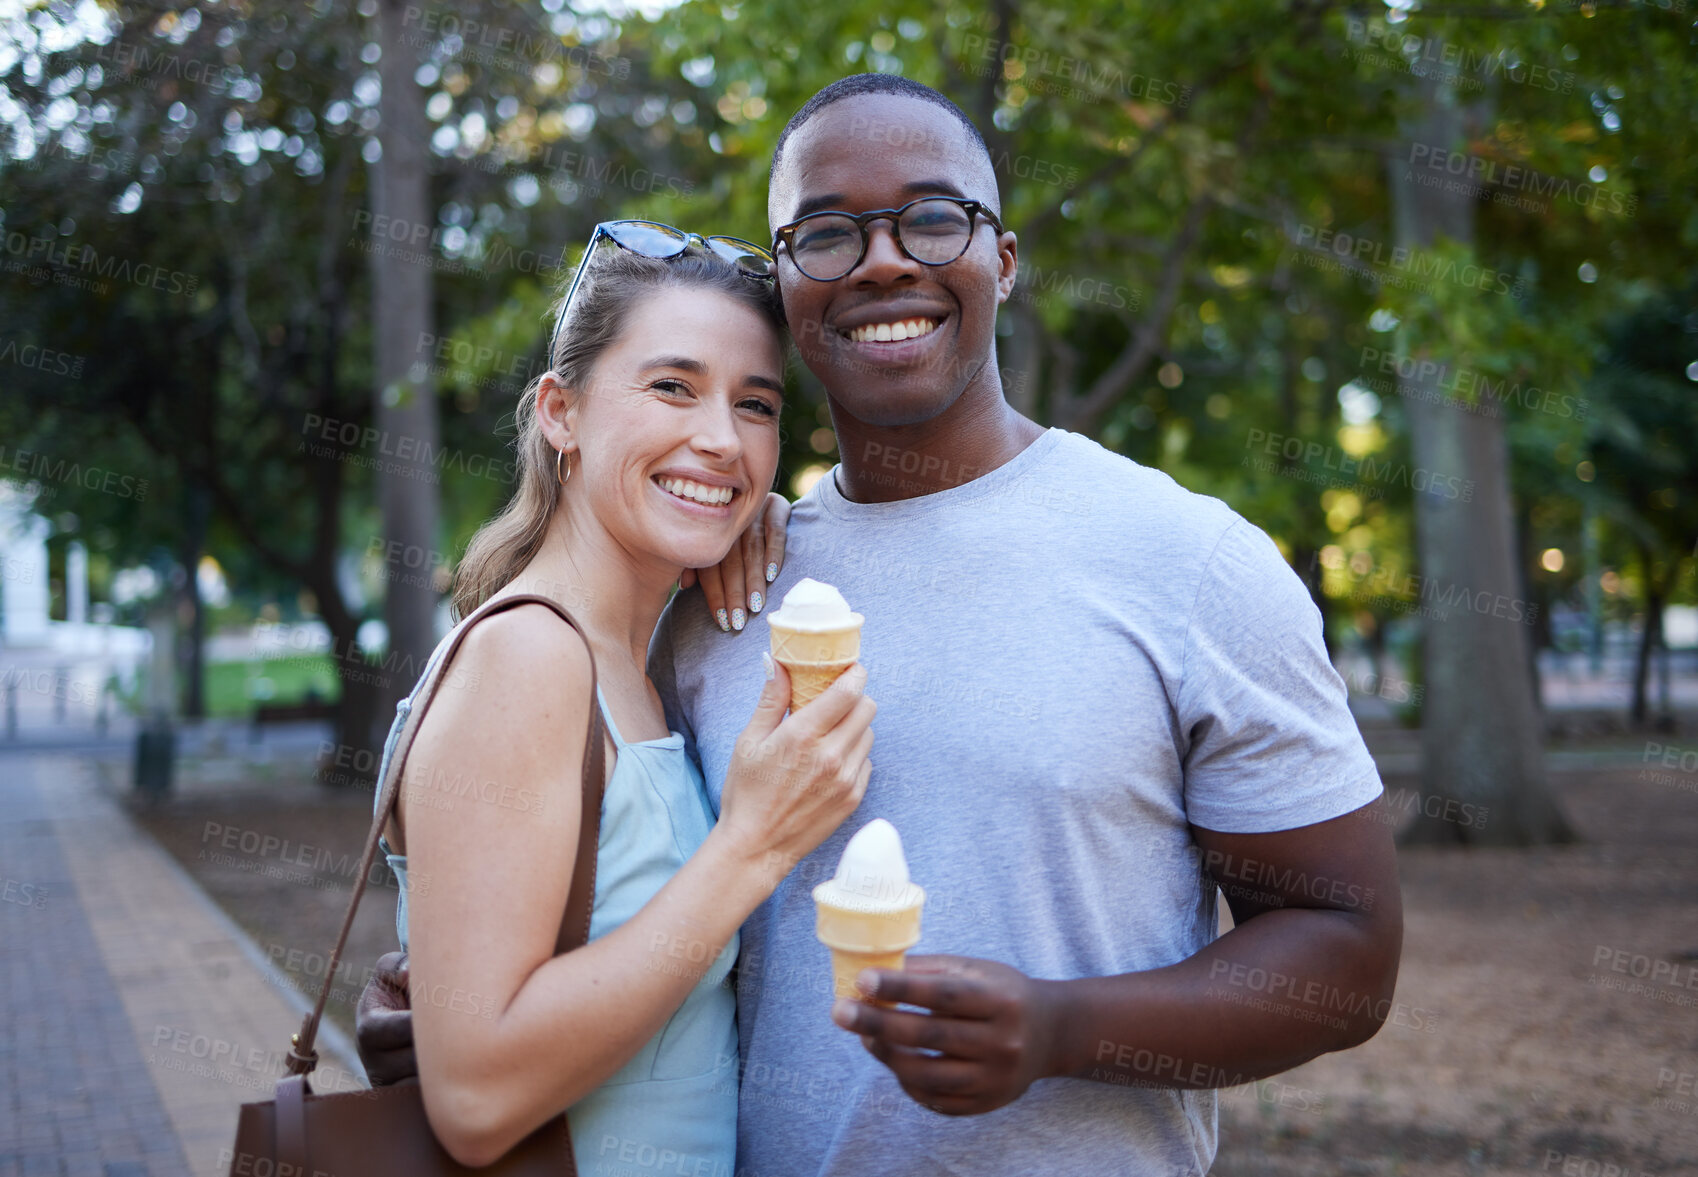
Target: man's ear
[1007, 248]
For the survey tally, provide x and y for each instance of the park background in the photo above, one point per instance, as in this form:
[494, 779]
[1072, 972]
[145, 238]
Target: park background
[1411, 286]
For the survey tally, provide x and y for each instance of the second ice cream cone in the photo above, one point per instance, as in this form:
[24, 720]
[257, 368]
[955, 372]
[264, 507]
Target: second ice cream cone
[865, 936]
[846, 966]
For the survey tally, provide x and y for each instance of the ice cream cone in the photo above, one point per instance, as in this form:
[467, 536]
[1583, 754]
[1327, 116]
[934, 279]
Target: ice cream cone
[816, 636]
[865, 934]
[814, 658]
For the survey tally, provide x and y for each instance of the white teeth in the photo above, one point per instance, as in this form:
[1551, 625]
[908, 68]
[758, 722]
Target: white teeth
[892, 332]
[685, 489]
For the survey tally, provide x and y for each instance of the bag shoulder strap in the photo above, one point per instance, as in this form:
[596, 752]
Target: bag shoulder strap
[580, 900]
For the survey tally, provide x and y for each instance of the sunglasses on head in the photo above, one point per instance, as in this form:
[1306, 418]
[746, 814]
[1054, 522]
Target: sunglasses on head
[653, 239]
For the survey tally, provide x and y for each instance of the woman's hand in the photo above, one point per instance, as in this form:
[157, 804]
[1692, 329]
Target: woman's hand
[735, 588]
[792, 781]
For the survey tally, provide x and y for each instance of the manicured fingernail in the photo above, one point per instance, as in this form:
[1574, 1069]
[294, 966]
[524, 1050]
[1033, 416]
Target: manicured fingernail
[867, 982]
[719, 616]
[771, 572]
[737, 619]
[766, 661]
[755, 602]
[843, 1013]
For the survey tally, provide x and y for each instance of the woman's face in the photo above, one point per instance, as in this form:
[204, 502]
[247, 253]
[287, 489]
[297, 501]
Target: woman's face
[677, 433]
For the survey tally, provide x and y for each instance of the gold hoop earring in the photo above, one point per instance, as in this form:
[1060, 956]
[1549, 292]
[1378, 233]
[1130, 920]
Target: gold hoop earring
[558, 454]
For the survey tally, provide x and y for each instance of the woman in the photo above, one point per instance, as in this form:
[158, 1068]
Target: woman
[646, 450]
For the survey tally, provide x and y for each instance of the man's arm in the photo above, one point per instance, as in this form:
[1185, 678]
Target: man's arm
[1309, 967]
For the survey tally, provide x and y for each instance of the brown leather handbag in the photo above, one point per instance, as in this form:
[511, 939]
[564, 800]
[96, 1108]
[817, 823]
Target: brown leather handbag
[383, 1132]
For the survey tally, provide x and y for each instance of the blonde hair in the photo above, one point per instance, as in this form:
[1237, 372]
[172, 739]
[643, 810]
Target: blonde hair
[616, 283]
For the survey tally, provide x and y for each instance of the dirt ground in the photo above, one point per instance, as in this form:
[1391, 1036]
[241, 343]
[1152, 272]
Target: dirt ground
[1527, 1042]
[1546, 1017]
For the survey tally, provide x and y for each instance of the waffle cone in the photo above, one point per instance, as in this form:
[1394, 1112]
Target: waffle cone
[861, 939]
[814, 658]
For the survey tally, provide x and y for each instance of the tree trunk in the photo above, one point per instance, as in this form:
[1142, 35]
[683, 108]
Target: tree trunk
[1305, 556]
[1649, 633]
[405, 408]
[191, 627]
[1481, 739]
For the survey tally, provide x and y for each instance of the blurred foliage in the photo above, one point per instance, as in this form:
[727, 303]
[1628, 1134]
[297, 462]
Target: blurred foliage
[1207, 278]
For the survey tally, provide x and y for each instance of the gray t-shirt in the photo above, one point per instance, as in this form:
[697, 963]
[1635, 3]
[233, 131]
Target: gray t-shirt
[1073, 657]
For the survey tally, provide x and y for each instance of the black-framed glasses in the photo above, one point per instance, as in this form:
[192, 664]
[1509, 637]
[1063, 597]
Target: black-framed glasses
[653, 239]
[933, 230]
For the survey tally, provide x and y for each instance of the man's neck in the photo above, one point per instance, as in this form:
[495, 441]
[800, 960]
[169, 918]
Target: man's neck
[975, 435]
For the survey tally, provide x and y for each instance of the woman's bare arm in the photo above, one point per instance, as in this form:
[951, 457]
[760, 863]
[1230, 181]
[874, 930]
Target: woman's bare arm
[508, 1034]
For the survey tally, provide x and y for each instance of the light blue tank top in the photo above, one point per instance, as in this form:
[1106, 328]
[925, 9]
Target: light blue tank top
[673, 1107]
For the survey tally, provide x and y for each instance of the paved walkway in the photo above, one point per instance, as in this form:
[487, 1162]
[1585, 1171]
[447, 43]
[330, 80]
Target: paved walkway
[135, 1016]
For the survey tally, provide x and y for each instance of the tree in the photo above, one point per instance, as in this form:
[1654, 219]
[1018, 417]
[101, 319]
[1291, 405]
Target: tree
[1643, 453]
[402, 296]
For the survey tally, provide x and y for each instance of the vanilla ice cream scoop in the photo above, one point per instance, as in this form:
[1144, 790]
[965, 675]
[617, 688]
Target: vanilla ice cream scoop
[872, 875]
[813, 605]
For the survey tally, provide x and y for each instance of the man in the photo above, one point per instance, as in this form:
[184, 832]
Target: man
[1099, 697]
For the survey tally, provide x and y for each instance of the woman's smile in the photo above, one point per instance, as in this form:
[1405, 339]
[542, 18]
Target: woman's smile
[699, 497]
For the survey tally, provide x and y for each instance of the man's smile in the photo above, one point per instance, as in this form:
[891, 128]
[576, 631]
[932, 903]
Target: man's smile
[884, 332]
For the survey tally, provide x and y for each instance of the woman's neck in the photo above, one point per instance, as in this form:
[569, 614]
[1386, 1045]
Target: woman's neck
[614, 595]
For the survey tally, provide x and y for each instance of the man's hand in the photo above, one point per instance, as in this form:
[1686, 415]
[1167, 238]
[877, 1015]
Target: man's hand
[989, 1034]
[383, 1024]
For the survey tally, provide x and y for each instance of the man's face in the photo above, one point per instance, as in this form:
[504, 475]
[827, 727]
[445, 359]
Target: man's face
[881, 151]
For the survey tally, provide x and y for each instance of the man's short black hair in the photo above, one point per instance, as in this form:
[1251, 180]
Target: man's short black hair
[854, 86]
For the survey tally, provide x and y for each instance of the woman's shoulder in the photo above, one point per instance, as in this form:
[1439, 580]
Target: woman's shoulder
[525, 659]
